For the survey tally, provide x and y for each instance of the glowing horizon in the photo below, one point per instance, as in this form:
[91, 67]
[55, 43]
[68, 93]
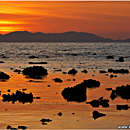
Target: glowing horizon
[106, 19]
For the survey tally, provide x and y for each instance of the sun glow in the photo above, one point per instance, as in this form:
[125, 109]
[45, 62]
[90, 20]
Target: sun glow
[9, 22]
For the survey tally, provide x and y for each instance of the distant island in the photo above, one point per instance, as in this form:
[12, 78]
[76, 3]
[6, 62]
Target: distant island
[71, 36]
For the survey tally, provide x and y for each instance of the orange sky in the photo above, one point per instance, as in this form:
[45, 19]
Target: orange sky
[107, 19]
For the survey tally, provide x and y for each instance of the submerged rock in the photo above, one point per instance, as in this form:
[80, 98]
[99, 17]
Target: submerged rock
[35, 72]
[122, 71]
[58, 80]
[18, 96]
[121, 59]
[123, 92]
[122, 107]
[96, 114]
[100, 101]
[4, 76]
[72, 71]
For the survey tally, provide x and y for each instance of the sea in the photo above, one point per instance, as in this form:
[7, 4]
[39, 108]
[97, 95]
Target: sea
[59, 58]
[65, 55]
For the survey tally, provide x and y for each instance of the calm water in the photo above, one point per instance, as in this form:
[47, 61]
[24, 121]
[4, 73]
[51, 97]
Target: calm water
[63, 56]
[66, 55]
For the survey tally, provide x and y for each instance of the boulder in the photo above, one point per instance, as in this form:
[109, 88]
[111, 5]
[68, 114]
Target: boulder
[97, 114]
[4, 76]
[35, 72]
[72, 71]
[122, 107]
[100, 101]
[58, 80]
[121, 71]
[121, 59]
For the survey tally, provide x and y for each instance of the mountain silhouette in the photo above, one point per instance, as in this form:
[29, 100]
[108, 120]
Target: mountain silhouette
[71, 36]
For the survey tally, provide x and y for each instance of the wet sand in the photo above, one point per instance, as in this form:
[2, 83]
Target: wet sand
[52, 102]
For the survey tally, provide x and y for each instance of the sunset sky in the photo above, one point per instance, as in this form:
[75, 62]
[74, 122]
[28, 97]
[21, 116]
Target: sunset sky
[106, 19]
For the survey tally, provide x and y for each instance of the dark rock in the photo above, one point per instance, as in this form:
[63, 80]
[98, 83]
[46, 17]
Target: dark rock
[73, 113]
[72, 71]
[122, 71]
[122, 107]
[76, 93]
[4, 76]
[16, 70]
[48, 85]
[8, 90]
[73, 79]
[37, 62]
[102, 71]
[32, 57]
[100, 101]
[96, 114]
[64, 72]
[68, 79]
[111, 76]
[60, 114]
[122, 91]
[19, 96]
[37, 97]
[36, 72]
[46, 56]
[8, 127]
[84, 71]
[58, 80]
[58, 70]
[43, 120]
[108, 89]
[2, 62]
[110, 57]
[94, 54]
[121, 59]
[4, 57]
[22, 127]
[24, 89]
[92, 83]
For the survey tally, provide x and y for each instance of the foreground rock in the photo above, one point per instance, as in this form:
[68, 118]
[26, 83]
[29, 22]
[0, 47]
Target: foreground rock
[96, 114]
[4, 76]
[108, 89]
[122, 71]
[91, 83]
[123, 92]
[18, 96]
[58, 80]
[60, 114]
[122, 107]
[43, 120]
[72, 71]
[78, 92]
[19, 127]
[103, 71]
[36, 72]
[100, 101]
